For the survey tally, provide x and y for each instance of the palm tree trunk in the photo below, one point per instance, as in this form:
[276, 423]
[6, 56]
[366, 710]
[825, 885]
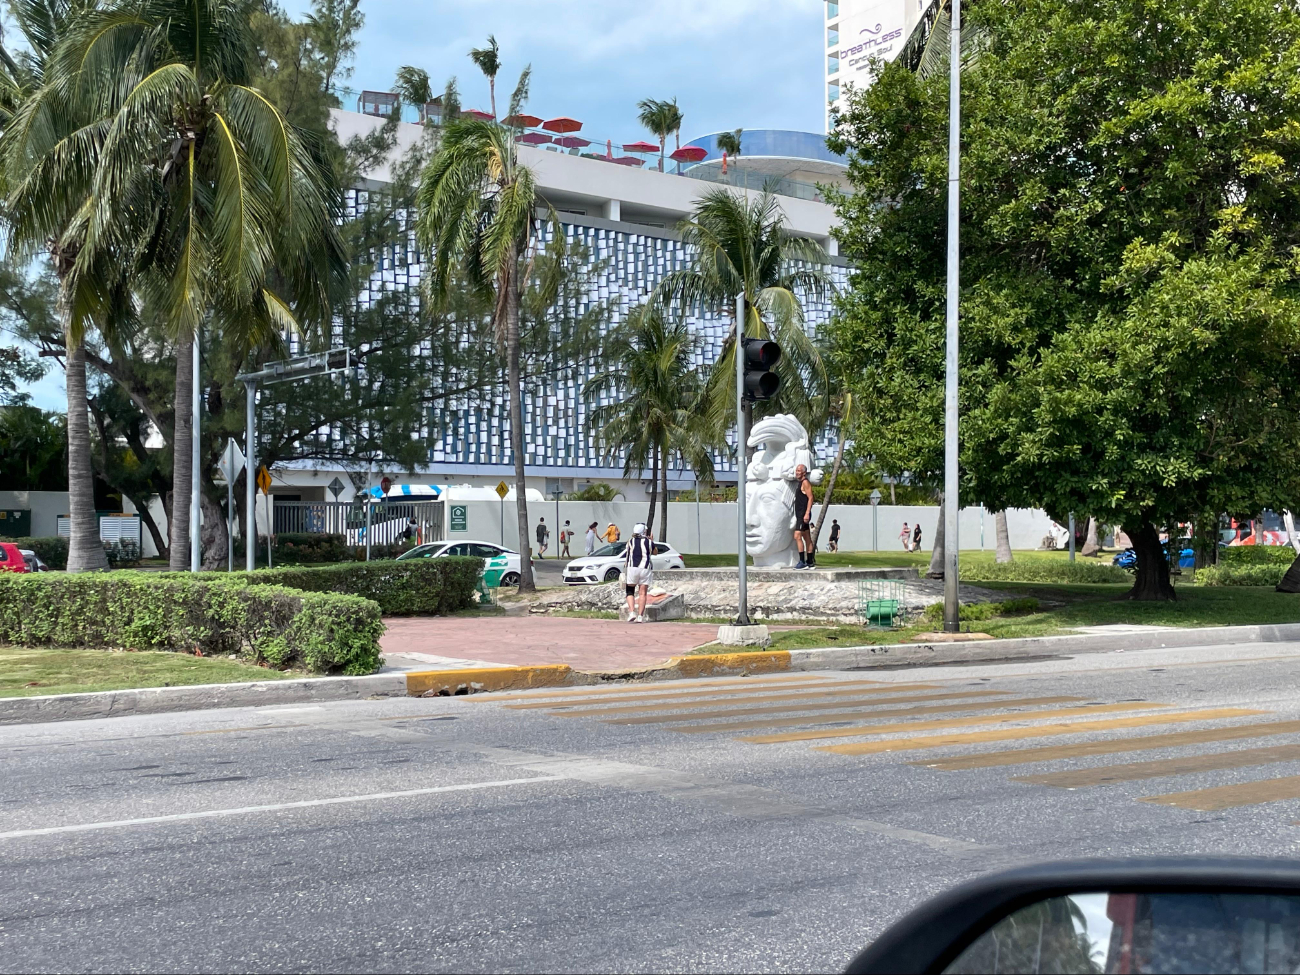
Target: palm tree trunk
[662, 140]
[936, 556]
[1004, 536]
[663, 499]
[492, 90]
[830, 489]
[654, 491]
[178, 559]
[85, 549]
[1090, 545]
[526, 583]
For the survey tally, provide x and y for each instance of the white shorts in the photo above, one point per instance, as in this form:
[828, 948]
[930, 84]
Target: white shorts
[639, 576]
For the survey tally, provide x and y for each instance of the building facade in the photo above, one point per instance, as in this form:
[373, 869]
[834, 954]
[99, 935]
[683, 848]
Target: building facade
[857, 33]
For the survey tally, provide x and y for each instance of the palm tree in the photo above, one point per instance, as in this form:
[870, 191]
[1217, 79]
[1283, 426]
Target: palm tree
[654, 388]
[729, 142]
[660, 118]
[740, 245]
[50, 148]
[475, 215]
[412, 87]
[488, 60]
[202, 180]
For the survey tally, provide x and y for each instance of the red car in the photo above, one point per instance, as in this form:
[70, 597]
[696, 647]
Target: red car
[11, 559]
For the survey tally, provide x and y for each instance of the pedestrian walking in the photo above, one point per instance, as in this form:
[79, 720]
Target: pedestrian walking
[834, 545]
[916, 538]
[591, 538]
[638, 573]
[906, 536]
[612, 534]
[566, 536]
[803, 502]
[543, 537]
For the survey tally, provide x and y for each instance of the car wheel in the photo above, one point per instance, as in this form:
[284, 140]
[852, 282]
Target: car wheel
[510, 579]
[611, 574]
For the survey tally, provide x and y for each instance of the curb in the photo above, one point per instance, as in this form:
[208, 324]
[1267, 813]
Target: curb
[455, 683]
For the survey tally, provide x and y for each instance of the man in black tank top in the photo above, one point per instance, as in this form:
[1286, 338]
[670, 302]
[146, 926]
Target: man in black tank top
[803, 502]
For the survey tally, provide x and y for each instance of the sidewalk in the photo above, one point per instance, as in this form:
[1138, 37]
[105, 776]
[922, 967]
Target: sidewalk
[592, 645]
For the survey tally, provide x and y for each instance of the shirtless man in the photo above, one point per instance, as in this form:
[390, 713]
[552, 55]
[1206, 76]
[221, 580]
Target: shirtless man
[803, 502]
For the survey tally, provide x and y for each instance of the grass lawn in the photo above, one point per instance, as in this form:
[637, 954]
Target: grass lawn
[25, 672]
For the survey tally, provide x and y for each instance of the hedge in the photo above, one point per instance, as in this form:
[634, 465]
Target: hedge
[52, 551]
[1240, 555]
[411, 587]
[206, 615]
[1241, 575]
[1043, 570]
[973, 612]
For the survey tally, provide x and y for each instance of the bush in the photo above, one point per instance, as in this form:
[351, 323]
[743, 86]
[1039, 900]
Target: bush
[1042, 570]
[206, 615]
[413, 587]
[1241, 575]
[1282, 555]
[52, 551]
[122, 554]
[305, 548]
[984, 611]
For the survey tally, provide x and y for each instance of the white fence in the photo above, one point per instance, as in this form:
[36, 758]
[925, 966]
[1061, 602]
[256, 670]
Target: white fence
[711, 528]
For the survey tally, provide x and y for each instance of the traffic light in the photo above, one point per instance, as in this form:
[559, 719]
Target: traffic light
[761, 355]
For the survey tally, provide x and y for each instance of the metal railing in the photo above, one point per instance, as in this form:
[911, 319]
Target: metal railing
[757, 182]
[388, 520]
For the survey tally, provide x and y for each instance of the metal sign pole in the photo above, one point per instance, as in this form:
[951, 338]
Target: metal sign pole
[742, 618]
[952, 505]
[230, 505]
[250, 476]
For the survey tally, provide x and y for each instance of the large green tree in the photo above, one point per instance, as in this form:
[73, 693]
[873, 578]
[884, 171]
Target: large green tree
[1130, 209]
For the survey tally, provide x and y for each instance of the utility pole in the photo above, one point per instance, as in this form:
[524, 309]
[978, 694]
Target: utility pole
[952, 505]
[742, 618]
[196, 482]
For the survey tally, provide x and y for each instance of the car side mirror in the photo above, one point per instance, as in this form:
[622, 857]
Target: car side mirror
[1101, 916]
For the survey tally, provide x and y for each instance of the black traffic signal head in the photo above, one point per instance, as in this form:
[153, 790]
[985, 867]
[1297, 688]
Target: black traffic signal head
[760, 356]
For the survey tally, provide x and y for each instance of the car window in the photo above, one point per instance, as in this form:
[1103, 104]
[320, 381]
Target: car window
[661, 548]
[461, 549]
[613, 548]
[484, 551]
[4, 554]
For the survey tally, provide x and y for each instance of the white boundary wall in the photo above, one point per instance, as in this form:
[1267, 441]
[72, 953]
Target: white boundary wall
[716, 533]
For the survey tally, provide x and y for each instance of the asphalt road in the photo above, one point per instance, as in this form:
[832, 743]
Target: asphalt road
[701, 826]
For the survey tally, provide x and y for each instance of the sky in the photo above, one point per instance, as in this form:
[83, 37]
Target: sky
[754, 64]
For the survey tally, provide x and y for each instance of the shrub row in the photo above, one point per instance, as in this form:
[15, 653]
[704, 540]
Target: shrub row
[1241, 575]
[411, 587]
[984, 611]
[1042, 570]
[208, 615]
[1282, 555]
[52, 551]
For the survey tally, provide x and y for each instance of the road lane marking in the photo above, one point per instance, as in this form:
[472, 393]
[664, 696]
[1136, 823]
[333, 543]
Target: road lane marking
[857, 731]
[657, 687]
[1231, 796]
[275, 807]
[866, 702]
[724, 696]
[1041, 731]
[853, 715]
[677, 704]
[1052, 753]
[1136, 771]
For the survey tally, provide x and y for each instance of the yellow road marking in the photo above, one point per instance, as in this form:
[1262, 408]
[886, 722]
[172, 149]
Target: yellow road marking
[1135, 771]
[727, 696]
[870, 703]
[1052, 753]
[658, 687]
[857, 731]
[1041, 731]
[1230, 796]
[874, 709]
[696, 691]
[684, 702]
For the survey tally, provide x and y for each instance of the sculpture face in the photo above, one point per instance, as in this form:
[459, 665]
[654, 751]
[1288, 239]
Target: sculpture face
[771, 480]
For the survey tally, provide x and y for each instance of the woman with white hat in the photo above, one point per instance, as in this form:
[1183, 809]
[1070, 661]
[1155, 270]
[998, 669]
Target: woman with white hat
[638, 572]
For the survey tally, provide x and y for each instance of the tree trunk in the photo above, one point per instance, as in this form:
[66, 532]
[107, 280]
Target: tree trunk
[1004, 536]
[893, 498]
[492, 93]
[213, 534]
[178, 559]
[1151, 581]
[830, 489]
[1205, 540]
[663, 499]
[662, 141]
[936, 556]
[1091, 546]
[85, 549]
[654, 491]
[526, 583]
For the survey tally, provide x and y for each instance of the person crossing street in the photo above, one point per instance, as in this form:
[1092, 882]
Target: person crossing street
[638, 572]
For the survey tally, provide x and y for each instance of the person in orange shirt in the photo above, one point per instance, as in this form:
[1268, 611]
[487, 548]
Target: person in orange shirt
[612, 533]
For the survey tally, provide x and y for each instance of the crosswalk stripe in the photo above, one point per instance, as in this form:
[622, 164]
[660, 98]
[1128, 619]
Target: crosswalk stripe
[1041, 731]
[682, 702]
[1230, 796]
[658, 687]
[856, 713]
[857, 731]
[866, 704]
[723, 693]
[1114, 746]
[1135, 771]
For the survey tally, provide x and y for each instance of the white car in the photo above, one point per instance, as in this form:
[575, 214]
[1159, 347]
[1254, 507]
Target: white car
[482, 550]
[605, 564]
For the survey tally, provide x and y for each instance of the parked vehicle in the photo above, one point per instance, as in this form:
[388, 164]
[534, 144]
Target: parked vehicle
[488, 551]
[34, 563]
[11, 558]
[1127, 559]
[606, 563]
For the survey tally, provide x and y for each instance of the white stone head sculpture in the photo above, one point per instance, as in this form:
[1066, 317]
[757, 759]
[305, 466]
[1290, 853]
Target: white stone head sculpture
[770, 486]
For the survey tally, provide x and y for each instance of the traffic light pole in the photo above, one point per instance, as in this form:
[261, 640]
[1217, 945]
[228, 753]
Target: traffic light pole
[952, 506]
[742, 618]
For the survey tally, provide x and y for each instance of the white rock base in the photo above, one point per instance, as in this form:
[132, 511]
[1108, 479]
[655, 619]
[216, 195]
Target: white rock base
[744, 636]
[669, 608]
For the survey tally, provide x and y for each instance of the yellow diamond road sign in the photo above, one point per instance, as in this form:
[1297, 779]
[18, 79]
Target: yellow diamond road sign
[502, 490]
[264, 480]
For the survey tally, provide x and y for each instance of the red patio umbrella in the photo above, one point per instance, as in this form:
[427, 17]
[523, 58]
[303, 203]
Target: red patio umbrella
[628, 161]
[572, 141]
[689, 154]
[641, 147]
[522, 121]
[479, 113]
[562, 124]
[533, 138]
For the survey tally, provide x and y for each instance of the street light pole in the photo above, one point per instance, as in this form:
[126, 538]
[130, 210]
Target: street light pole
[250, 475]
[196, 481]
[742, 618]
[952, 505]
